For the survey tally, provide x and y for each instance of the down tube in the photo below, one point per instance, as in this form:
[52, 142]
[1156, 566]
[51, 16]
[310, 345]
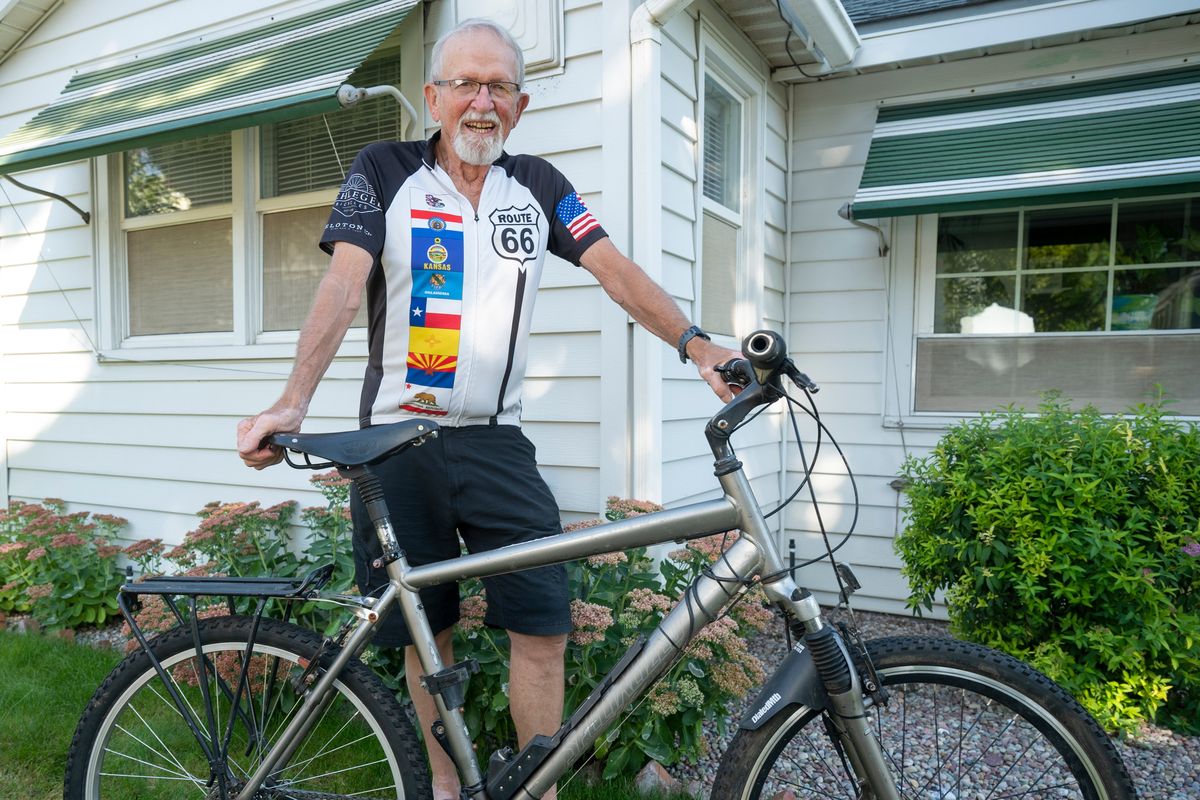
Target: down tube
[695, 610]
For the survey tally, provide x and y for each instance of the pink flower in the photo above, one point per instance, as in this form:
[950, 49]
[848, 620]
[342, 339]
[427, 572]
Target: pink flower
[39, 591]
[646, 600]
[607, 559]
[471, 612]
[66, 540]
[35, 554]
[12, 547]
[144, 548]
[590, 622]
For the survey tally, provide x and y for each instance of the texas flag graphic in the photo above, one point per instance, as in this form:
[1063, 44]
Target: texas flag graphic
[433, 312]
[574, 214]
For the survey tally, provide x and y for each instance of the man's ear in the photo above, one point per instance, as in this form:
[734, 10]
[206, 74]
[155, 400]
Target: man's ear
[431, 96]
[522, 102]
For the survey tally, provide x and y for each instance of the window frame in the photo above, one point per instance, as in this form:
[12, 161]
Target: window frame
[720, 59]
[245, 210]
[910, 291]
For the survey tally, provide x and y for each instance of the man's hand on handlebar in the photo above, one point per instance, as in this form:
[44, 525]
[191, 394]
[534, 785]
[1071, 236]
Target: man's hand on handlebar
[707, 356]
[253, 433]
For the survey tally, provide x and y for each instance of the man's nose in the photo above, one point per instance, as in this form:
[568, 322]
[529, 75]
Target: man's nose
[483, 99]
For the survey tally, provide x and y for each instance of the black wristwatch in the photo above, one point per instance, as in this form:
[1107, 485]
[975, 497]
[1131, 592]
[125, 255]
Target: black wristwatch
[687, 337]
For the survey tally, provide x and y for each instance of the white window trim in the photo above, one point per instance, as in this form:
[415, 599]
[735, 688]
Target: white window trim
[719, 57]
[911, 272]
[247, 340]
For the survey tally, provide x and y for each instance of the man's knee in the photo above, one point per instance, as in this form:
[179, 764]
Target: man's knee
[539, 648]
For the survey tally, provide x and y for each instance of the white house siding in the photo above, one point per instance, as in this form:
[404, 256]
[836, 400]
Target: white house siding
[839, 311]
[687, 403]
[154, 441]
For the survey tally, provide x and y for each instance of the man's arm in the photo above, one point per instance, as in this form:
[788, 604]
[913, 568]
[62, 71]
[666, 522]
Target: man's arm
[647, 302]
[334, 307]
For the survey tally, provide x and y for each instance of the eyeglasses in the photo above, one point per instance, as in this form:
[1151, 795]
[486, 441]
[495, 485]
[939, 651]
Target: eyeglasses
[465, 88]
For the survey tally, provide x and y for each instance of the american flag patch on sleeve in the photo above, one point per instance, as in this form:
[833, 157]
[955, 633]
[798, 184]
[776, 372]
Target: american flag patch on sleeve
[574, 214]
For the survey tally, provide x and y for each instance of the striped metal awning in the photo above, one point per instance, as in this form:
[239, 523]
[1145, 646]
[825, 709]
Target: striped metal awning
[282, 70]
[1130, 135]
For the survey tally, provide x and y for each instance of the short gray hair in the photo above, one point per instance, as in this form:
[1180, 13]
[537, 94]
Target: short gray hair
[474, 24]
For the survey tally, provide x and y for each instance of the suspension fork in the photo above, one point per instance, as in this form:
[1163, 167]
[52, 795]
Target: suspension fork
[836, 669]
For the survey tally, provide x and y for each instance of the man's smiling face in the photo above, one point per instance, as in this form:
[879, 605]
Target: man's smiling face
[477, 126]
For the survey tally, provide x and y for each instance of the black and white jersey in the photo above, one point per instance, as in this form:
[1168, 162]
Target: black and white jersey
[450, 296]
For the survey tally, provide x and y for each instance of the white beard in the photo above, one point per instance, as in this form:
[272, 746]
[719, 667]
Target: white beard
[475, 149]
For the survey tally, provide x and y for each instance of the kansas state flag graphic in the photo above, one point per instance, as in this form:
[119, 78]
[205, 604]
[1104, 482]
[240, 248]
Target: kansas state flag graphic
[574, 214]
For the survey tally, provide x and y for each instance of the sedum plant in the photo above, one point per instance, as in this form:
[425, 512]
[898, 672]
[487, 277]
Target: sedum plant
[1072, 540]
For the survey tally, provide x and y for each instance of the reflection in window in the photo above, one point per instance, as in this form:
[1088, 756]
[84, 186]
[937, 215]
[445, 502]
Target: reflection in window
[1062, 268]
[178, 176]
[1061, 238]
[977, 243]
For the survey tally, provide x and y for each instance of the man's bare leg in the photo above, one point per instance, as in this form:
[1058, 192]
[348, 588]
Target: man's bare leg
[445, 776]
[536, 679]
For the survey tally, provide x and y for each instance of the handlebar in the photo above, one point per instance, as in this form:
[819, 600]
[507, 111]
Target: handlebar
[760, 375]
[765, 356]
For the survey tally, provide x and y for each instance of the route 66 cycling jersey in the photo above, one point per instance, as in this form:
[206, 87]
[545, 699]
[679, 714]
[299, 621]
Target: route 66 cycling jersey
[450, 295]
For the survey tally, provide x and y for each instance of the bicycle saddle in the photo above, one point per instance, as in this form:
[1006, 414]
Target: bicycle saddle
[352, 448]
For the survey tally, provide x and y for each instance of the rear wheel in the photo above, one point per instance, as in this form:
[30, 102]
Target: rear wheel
[962, 721]
[132, 742]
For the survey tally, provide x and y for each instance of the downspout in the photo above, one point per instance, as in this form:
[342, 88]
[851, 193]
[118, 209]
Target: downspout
[645, 204]
[787, 301]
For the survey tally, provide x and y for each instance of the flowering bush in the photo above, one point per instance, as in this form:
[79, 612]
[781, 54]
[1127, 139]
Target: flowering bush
[247, 540]
[60, 567]
[618, 597]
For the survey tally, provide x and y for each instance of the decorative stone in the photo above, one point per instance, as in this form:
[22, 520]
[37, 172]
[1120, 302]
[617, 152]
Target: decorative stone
[653, 778]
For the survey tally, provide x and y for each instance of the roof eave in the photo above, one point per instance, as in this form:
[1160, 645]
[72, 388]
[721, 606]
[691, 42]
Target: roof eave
[925, 39]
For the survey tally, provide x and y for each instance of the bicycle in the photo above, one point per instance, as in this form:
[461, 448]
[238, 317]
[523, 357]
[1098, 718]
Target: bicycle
[247, 706]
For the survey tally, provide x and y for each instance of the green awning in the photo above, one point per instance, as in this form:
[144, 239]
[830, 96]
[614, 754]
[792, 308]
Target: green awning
[284, 69]
[1131, 135]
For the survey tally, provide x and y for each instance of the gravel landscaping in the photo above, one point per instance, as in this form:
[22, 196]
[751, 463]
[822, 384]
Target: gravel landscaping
[1164, 765]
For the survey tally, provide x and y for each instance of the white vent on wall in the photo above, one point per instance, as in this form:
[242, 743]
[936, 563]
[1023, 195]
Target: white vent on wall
[535, 24]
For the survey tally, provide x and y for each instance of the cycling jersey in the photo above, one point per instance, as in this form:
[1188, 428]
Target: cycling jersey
[450, 295]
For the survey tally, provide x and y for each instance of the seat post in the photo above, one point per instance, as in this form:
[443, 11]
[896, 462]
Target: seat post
[371, 492]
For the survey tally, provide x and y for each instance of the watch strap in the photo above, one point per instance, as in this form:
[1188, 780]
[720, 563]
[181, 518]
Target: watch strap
[687, 336]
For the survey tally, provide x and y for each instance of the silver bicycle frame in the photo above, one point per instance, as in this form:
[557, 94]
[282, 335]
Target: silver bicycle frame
[754, 553]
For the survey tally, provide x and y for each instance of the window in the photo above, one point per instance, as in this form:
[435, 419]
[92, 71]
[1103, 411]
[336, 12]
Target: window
[1099, 301]
[722, 238]
[216, 237]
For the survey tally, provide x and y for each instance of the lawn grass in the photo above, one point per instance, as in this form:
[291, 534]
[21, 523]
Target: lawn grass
[46, 684]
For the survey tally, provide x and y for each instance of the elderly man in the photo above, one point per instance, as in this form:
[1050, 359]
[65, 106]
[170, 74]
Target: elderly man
[448, 237]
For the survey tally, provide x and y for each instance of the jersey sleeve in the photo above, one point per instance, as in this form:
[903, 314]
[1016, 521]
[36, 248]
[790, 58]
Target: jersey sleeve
[357, 215]
[573, 228]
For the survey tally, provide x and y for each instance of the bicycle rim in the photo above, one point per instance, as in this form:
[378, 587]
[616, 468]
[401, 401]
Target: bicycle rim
[144, 749]
[970, 726]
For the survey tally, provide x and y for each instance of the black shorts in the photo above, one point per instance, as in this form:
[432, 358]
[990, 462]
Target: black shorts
[481, 483]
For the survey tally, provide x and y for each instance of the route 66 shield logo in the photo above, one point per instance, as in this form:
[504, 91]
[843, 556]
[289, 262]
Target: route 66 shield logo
[515, 233]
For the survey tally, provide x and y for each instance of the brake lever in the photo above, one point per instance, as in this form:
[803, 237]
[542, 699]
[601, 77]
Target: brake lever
[799, 378]
[735, 372]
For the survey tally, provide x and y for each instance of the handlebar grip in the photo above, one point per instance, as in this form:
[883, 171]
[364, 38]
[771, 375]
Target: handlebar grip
[735, 372]
[765, 349]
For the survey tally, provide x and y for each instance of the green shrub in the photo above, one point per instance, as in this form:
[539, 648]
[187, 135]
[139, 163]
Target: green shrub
[1071, 540]
[60, 567]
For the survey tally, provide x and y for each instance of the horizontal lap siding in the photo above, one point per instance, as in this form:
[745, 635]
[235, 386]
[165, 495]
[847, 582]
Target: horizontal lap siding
[837, 334]
[688, 402]
[154, 442]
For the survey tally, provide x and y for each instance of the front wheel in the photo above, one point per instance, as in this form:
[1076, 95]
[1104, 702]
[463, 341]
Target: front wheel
[963, 721]
[132, 741]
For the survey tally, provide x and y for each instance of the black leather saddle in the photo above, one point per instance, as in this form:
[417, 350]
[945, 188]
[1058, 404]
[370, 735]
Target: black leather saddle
[354, 448]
